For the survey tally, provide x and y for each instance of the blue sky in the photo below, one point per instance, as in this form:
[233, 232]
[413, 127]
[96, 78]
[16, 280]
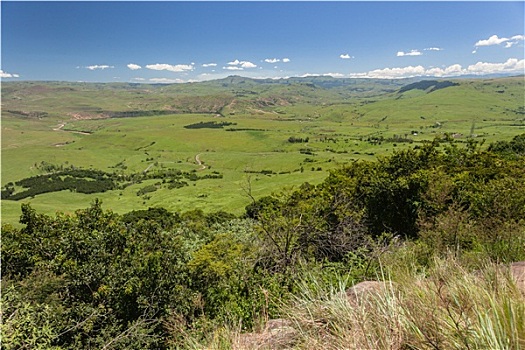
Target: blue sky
[168, 42]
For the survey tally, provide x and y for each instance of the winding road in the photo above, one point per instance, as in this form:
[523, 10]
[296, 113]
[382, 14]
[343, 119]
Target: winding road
[60, 127]
[199, 162]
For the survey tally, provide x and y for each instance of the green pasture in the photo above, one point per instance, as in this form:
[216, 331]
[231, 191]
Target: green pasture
[255, 159]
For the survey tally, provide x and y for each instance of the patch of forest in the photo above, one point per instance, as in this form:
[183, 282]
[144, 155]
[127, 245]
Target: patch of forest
[31, 114]
[246, 129]
[137, 113]
[76, 180]
[431, 85]
[209, 125]
[90, 181]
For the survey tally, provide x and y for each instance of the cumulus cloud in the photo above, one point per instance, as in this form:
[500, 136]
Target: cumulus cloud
[209, 65]
[139, 79]
[333, 75]
[275, 60]
[433, 49]
[233, 68]
[242, 64]
[512, 65]
[134, 66]
[165, 80]
[411, 53]
[271, 77]
[390, 73]
[172, 68]
[453, 70]
[102, 67]
[246, 64]
[345, 56]
[8, 75]
[495, 40]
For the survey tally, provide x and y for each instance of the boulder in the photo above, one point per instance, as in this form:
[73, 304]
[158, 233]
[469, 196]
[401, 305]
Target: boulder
[278, 334]
[517, 271]
[365, 289]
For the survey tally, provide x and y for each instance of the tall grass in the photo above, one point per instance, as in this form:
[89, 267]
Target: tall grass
[449, 308]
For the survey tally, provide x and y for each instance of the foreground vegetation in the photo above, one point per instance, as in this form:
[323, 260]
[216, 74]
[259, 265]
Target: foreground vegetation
[425, 218]
[447, 307]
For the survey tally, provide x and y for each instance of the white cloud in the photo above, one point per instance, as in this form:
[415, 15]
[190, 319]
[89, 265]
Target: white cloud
[209, 65]
[102, 67]
[433, 49]
[411, 53]
[333, 75]
[233, 68]
[452, 70]
[134, 66]
[512, 65]
[8, 75]
[234, 63]
[246, 64]
[172, 68]
[275, 60]
[345, 56]
[139, 79]
[495, 40]
[390, 73]
[243, 64]
[165, 80]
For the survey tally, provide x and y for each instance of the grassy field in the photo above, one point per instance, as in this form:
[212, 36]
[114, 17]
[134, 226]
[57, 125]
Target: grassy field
[78, 124]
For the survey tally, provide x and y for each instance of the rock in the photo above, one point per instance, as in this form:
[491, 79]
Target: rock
[517, 271]
[364, 289]
[278, 334]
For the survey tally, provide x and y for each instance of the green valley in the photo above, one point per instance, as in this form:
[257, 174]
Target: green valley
[235, 138]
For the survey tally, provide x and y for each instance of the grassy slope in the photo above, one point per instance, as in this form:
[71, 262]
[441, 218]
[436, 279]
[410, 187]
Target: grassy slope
[340, 114]
[450, 307]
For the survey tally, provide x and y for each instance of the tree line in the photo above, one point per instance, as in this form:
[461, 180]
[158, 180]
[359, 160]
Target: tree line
[91, 181]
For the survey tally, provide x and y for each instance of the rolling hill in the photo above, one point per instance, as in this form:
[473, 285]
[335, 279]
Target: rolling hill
[144, 132]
